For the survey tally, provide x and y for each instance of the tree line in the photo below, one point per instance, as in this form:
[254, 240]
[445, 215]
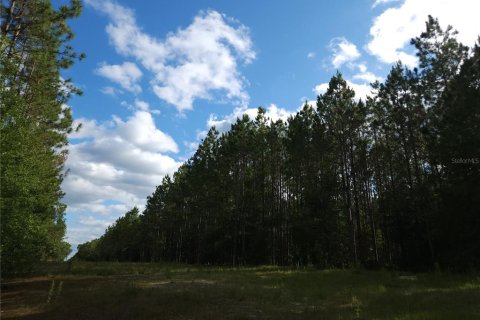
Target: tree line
[393, 181]
[34, 123]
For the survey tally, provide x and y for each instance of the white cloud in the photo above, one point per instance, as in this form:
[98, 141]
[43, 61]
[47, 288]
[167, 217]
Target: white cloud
[392, 30]
[367, 76]
[273, 113]
[223, 124]
[79, 234]
[202, 133]
[140, 105]
[126, 75]
[113, 166]
[192, 146]
[92, 221]
[193, 63]
[362, 90]
[321, 88]
[343, 52]
[362, 67]
[311, 55]
[111, 91]
[382, 2]
[142, 132]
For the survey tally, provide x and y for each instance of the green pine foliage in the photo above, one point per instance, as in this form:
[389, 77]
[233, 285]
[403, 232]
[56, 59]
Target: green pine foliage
[33, 132]
[388, 182]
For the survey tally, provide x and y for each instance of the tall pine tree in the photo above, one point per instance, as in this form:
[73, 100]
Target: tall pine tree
[33, 131]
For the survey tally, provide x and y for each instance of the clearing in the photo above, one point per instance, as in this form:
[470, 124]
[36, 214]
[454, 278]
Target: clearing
[83, 290]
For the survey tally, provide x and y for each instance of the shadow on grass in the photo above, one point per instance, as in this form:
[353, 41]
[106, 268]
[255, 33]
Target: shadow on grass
[155, 291]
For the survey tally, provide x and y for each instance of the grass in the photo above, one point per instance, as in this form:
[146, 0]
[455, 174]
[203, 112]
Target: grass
[165, 291]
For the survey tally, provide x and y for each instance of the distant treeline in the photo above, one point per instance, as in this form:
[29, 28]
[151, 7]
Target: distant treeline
[392, 181]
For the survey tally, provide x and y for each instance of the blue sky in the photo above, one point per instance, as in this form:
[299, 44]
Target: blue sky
[158, 74]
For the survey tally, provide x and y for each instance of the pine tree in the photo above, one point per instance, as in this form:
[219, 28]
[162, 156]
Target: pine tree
[459, 155]
[343, 119]
[34, 125]
[390, 182]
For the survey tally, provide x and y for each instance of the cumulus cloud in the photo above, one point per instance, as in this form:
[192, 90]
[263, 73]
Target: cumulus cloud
[362, 90]
[192, 63]
[141, 131]
[92, 221]
[393, 28]
[223, 124]
[311, 55]
[367, 76]
[343, 51]
[391, 32]
[113, 166]
[321, 88]
[273, 113]
[126, 75]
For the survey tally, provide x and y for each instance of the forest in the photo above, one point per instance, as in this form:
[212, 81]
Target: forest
[393, 181]
[350, 209]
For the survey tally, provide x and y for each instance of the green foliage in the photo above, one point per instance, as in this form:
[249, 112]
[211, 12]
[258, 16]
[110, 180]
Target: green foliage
[88, 251]
[119, 243]
[389, 182]
[458, 147]
[33, 131]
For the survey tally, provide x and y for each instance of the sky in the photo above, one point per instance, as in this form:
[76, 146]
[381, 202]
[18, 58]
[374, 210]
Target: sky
[158, 74]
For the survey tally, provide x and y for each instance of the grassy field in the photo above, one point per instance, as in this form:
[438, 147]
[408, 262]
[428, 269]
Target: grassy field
[157, 291]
